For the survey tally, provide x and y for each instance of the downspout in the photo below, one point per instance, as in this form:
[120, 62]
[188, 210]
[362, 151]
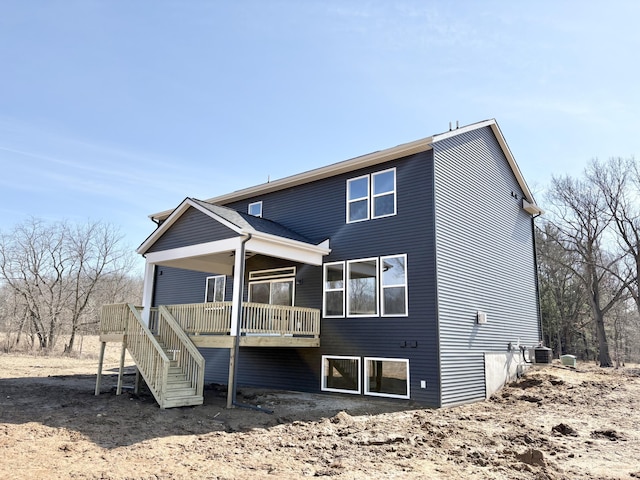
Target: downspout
[535, 266]
[231, 402]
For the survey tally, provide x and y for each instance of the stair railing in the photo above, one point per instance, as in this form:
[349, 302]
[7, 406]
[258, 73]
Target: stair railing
[181, 349]
[153, 363]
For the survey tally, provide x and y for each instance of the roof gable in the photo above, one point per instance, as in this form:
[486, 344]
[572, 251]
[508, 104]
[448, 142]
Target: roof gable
[227, 223]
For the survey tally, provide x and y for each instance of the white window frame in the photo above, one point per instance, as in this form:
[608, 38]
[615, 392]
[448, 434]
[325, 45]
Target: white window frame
[371, 195]
[377, 288]
[324, 376]
[283, 272]
[259, 204]
[215, 278]
[392, 192]
[379, 394]
[325, 290]
[359, 199]
[275, 280]
[405, 285]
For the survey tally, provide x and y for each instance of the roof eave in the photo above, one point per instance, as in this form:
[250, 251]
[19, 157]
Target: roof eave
[356, 163]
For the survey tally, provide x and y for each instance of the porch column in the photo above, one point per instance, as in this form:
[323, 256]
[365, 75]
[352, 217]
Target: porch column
[238, 285]
[147, 292]
[236, 319]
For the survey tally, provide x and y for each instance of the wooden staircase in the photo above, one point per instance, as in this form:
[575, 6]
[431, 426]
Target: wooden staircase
[168, 361]
[179, 390]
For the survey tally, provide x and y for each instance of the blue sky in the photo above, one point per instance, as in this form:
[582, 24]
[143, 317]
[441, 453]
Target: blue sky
[112, 110]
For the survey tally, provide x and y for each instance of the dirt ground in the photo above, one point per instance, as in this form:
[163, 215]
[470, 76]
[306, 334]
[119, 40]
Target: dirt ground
[554, 423]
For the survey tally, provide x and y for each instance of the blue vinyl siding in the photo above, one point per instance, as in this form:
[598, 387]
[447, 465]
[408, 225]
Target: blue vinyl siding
[484, 260]
[191, 228]
[317, 211]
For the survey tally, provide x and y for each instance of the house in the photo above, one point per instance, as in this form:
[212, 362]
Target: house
[407, 273]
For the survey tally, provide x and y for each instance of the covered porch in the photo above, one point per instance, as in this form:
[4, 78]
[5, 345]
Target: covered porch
[164, 335]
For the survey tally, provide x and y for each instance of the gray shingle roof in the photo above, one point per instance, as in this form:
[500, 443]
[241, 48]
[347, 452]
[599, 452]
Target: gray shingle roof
[251, 223]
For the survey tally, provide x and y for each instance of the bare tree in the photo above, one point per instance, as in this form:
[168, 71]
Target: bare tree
[618, 181]
[581, 220]
[563, 301]
[55, 270]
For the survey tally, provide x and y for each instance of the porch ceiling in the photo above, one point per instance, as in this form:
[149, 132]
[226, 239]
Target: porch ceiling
[218, 257]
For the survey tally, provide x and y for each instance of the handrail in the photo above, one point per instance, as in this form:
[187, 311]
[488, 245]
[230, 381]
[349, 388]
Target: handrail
[153, 363]
[176, 341]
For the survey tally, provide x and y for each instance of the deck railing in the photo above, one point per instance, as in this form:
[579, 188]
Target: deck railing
[195, 318]
[181, 349]
[215, 318]
[259, 318]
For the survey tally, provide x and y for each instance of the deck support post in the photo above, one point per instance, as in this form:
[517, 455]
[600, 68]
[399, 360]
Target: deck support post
[121, 371]
[236, 319]
[100, 362]
[136, 387]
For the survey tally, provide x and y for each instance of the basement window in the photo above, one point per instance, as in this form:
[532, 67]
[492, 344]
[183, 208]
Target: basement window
[341, 374]
[385, 377]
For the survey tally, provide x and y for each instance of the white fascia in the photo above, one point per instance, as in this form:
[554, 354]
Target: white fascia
[345, 166]
[189, 255]
[286, 248]
[533, 209]
[175, 215]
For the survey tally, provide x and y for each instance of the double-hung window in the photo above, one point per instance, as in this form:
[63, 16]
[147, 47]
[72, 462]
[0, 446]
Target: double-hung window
[334, 289]
[393, 272]
[362, 287]
[371, 196]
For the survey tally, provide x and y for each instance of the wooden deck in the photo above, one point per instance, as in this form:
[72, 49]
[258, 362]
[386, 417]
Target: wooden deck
[166, 349]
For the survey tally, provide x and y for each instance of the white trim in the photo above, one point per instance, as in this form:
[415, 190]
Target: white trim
[325, 290]
[206, 287]
[147, 291]
[327, 171]
[287, 249]
[405, 285]
[251, 205]
[236, 300]
[323, 375]
[289, 273]
[365, 161]
[380, 394]
[291, 280]
[200, 249]
[377, 289]
[175, 215]
[394, 192]
[359, 199]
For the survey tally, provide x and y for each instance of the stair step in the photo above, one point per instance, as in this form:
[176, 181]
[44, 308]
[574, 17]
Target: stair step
[179, 392]
[174, 385]
[186, 401]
